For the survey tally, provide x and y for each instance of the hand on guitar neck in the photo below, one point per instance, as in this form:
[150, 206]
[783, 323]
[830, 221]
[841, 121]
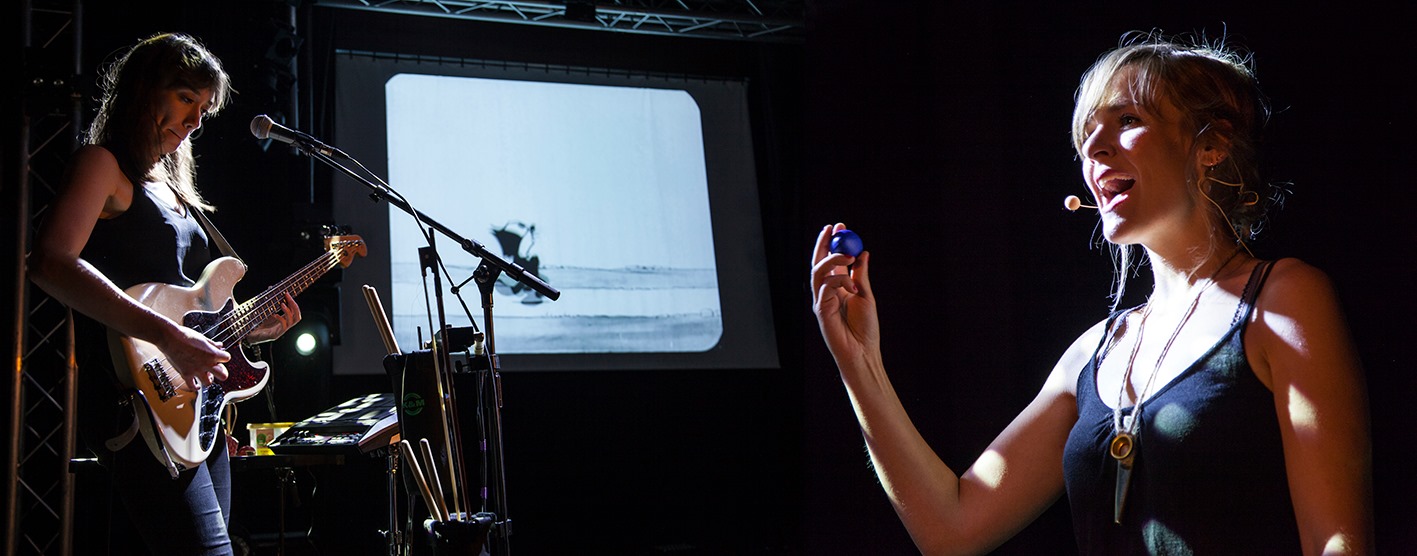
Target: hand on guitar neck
[275, 325]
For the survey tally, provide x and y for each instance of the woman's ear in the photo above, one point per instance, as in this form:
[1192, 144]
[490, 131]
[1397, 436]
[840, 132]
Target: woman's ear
[1212, 155]
[1215, 143]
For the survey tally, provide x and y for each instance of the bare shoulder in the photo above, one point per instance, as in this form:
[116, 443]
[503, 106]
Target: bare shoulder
[1297, 317]
[95, 179]
[94, 167]
[1297, 297]
[94, 157]
[1294, 282]
[1065, 374]
[94, 187]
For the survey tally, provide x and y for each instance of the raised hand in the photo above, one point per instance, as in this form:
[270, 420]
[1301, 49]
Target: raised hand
[843, 302]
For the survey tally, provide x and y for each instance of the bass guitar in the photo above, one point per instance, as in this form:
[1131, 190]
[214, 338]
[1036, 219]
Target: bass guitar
[178, 423]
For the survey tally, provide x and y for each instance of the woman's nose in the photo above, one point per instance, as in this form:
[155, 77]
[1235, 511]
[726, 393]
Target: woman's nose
[1096, 145]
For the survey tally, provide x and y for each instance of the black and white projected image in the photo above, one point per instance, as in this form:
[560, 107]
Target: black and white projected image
[599, 190]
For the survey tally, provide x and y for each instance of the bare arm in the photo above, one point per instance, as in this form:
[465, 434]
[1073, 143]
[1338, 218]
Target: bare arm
[93, 187]
[1016, 478]
[1321, 401]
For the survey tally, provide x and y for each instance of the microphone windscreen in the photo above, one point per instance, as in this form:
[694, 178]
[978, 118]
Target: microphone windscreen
[1073, 203]
[261, 126]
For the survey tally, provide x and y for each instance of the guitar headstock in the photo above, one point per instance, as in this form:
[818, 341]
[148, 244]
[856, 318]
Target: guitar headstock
[346, 247]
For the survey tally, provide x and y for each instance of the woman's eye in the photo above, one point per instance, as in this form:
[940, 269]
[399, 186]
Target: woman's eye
[1129, 120]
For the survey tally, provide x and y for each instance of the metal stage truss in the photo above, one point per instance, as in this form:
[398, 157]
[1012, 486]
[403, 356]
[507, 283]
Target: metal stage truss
[745, 20]
[39, 501]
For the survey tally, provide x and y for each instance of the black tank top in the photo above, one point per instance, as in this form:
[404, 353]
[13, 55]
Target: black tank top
[1209, 477]
[149, 242]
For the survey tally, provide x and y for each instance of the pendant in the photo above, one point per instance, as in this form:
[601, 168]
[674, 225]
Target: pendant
[1123, 448]
[1124, 480]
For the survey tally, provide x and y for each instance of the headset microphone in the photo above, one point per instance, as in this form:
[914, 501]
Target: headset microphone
[1072, 202]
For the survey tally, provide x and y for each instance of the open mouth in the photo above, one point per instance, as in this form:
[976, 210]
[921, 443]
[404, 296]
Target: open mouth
[1112, 187]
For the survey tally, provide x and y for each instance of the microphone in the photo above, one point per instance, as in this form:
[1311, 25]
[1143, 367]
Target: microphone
[1071, 202]
[263, 127]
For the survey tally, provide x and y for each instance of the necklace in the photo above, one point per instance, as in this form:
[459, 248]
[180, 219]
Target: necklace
[1123, 446]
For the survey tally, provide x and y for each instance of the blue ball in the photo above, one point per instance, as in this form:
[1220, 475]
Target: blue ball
[847, 243]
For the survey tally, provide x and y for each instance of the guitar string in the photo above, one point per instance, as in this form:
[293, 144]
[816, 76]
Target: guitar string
[256, 310]
[238, 316]
[230, 326]
[222, 329]
[262, 305]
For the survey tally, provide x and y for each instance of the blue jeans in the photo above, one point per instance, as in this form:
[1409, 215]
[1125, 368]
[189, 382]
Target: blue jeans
[188, 515]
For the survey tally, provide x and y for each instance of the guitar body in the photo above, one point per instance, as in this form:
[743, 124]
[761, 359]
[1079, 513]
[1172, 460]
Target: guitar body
[180, 425]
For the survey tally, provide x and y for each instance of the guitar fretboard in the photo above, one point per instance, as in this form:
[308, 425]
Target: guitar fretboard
[234, 326]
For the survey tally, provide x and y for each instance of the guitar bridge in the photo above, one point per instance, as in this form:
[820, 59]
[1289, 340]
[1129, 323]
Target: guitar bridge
[157, 375]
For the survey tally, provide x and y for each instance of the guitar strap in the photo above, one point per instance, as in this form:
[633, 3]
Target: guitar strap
[214, 234]
[118, 442]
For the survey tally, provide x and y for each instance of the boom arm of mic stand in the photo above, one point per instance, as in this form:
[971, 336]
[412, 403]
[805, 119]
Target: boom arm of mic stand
[471, 246]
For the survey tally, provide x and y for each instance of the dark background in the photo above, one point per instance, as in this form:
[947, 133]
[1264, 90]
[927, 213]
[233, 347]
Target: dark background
[940, 134]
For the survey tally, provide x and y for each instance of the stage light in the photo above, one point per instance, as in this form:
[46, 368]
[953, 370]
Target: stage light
[305, 344]
[308, 340]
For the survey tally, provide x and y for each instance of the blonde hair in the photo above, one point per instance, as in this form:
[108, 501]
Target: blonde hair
[1217, 95]
[131, 89]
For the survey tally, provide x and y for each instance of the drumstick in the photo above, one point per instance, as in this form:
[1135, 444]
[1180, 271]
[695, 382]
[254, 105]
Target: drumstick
[381, 319]
[434, 482]
[411, 460]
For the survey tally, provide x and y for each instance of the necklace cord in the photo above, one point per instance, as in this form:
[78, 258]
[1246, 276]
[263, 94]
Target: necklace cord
[1141, 329]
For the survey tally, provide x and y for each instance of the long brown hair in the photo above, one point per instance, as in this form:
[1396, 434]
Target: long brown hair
[125, 123]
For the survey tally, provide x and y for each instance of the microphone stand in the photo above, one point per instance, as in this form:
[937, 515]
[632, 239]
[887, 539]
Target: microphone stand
[486, 276]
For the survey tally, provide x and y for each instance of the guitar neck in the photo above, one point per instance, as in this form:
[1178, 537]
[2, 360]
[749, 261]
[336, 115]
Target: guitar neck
[254, 311]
